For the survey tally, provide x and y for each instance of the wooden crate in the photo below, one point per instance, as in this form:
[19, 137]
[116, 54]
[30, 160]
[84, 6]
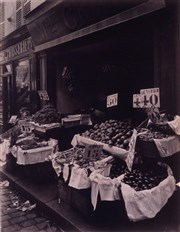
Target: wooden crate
[81, 201]
[64, 192]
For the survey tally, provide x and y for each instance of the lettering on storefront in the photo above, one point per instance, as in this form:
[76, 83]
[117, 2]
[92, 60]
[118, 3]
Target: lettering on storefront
[16, 50]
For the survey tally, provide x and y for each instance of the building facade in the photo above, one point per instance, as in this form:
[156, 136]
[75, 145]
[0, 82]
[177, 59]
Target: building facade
[82, 52]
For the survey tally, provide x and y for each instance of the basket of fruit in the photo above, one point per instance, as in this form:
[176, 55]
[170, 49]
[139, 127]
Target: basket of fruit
[142, 190]
[146, 143]
[162, 124]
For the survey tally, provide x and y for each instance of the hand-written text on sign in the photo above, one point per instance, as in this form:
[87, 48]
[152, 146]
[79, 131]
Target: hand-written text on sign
[92, 152]
[112, 100]
[147, 98]
[43, 95]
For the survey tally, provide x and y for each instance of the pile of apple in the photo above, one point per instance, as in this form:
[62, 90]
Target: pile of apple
[112, 132]
[142, 178]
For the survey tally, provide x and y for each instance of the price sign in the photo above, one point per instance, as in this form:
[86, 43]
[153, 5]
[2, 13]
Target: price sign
[43, 95]
[112, 100]
[137, 101]
[150, 97]
[92, 152]
[26, 127]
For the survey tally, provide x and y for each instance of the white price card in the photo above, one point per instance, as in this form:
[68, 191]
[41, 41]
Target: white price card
[137, 101]
[92, 152]
[43, 95]
[150, 97]
[112, 100]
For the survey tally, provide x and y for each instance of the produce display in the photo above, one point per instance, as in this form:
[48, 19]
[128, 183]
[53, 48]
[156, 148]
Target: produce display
[118, 168]
[142, 178]
[46, 115]
[152, 134]
[75, 156]
[31, 143]
[112, 132]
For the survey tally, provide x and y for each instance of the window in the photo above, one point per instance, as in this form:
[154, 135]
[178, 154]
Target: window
[22, 84]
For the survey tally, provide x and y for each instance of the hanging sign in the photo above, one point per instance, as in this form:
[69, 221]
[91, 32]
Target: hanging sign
[92, 152]
[147, 98]
[43, 95]
[112, 100]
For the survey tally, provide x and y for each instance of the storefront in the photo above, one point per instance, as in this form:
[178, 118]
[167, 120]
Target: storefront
[18, 77]
[85, 57]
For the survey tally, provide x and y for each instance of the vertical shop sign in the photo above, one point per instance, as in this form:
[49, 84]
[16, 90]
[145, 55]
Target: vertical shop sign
[112, 100]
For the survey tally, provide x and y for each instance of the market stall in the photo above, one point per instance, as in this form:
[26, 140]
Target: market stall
[135, 174]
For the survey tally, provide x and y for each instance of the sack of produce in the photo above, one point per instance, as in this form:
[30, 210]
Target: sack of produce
[107, 186]
[155, 144]
[75, 169]
[146, 191]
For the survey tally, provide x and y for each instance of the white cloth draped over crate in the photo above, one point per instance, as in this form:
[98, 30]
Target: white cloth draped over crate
[4, 150]
[168, 146]
[146, 204]
[36, 155]
[107, 188]
[175, 124]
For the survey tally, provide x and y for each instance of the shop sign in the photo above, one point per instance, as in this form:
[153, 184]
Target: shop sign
[16, 50]
[112, 100]
[147, 98]
[93, 152]
[43, 95]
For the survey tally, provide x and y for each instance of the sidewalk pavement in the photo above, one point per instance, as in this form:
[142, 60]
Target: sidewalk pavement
[45, 195]
[18, 214]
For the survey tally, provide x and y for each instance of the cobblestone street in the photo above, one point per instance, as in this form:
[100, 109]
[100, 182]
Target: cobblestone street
[17, 214]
